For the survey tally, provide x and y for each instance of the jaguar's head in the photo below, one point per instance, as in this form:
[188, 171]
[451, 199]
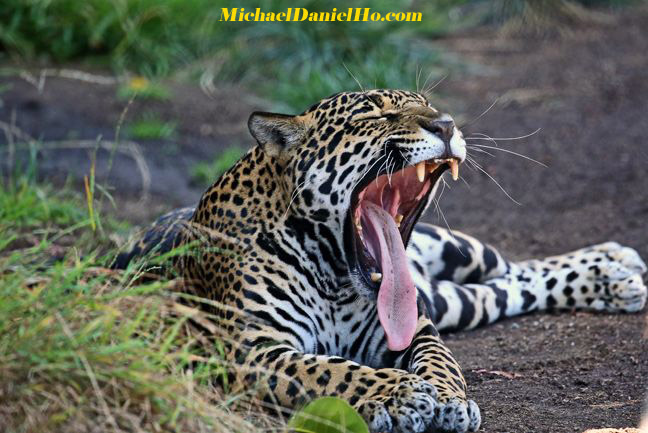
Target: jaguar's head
[366, 164]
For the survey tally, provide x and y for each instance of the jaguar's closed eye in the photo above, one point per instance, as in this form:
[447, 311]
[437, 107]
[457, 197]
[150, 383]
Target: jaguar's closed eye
[383, 116]
[362, 119]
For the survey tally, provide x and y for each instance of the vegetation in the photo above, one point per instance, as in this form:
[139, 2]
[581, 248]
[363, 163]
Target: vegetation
[205, 173]
[150, 127]
[157, 38]
[328, 415]
[85, 347]
[295, 62]
[143, 88]
[82, 346]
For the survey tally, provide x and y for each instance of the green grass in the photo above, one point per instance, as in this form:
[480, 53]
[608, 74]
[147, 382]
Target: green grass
[296, 62]
[39, 216]
[205, 173]
[81, 348]
[143, 88]
[305, 61]
[144, 35]
[150, 127]
[25, 206]
[87, 348]
[84, 347]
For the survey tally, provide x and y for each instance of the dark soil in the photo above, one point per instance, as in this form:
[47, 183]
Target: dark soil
[588, 93]
[66, 111]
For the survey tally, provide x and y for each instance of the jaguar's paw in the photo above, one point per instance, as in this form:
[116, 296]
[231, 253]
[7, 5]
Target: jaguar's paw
[617, 278]
[412, 406]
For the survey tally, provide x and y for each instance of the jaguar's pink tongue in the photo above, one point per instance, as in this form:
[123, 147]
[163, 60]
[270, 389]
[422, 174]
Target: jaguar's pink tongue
[397, 309]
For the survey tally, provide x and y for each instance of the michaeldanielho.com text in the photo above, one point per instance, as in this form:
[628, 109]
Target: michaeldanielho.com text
[303, 14]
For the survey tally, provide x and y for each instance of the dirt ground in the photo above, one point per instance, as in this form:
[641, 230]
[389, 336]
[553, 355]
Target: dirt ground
[586, 91]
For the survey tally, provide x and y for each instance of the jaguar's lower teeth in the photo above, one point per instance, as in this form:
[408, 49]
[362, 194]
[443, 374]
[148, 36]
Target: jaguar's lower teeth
[376, 276]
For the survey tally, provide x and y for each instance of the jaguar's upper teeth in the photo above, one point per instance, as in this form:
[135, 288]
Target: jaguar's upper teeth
[420, 171]
[454, 169]
[376, 276]
[432, 166]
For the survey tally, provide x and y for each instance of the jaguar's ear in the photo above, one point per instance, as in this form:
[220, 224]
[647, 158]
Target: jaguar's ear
[275, 132]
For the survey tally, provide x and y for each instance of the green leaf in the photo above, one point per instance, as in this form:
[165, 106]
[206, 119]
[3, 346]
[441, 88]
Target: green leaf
[328, 415]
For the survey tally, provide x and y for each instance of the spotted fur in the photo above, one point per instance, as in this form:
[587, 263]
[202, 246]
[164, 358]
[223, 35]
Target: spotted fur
[273, 241]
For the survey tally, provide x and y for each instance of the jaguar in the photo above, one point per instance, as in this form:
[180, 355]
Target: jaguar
[324, 283]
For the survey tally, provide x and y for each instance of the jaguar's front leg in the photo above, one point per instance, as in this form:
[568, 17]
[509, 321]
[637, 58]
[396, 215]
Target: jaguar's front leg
[390, 399]
[430, 359]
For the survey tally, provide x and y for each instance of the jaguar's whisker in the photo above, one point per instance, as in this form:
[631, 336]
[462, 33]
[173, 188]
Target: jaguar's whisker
[489, 138]
[354, 78]
[496, 183]
[476, 149]
[436, 199]
[426, 92]
[429, 75]
[385, 164]
[369, 168]
[470, 162]
[478, 146]
[390, 172]
[298, 189]
[490, 107]
[465, 181]
[440, 213]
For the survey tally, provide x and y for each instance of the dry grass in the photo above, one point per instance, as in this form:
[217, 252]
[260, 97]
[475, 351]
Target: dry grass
[83, 351]
[84, 348]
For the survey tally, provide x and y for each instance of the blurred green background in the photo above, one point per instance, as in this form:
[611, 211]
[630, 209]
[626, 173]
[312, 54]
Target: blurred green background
[184, 38]
[75, 155]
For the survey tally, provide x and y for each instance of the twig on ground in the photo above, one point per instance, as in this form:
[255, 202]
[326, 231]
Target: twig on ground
[130, 148]
[506, 374]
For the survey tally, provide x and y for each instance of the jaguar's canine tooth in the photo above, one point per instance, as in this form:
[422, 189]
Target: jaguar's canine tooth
[398, 218]
[420, 171]
[454, 169]
[376, 276]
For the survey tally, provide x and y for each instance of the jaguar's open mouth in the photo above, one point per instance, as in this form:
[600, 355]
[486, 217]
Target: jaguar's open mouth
[383, 213]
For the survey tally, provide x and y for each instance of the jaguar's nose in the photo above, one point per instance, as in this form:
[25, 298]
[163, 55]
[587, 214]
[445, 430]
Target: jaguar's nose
[444, 129]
